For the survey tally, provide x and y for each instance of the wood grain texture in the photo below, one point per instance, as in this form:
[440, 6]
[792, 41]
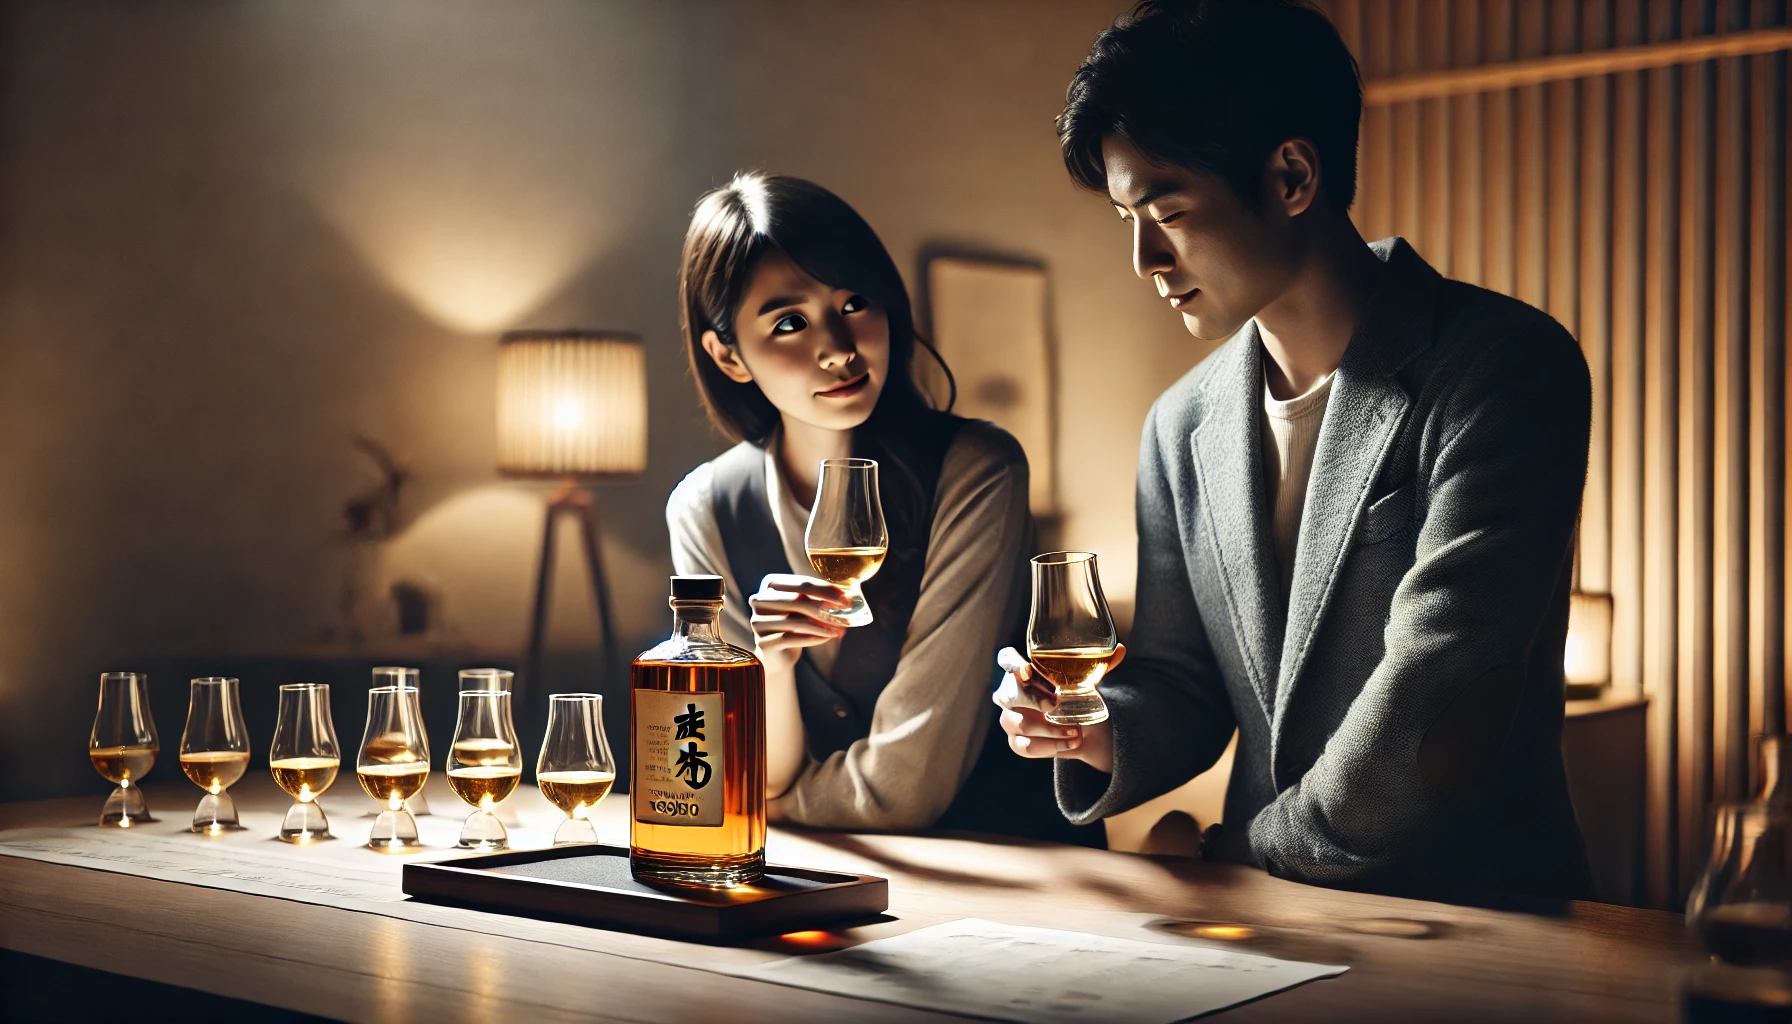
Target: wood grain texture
[1594, 963]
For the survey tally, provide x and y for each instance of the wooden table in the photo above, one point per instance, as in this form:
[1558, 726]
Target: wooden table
[1595, 963]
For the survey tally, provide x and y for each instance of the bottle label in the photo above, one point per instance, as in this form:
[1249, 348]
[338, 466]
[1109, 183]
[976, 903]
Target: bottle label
[679, 758]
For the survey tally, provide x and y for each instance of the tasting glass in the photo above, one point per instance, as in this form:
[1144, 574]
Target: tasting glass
[484, 765]
[387, 675]
[846, 539]
[123, 746]
[575, 770]
[1741, 913]
[393, 764]
[1070, 635]
[485, 679]
[304, 759]
[214, 752]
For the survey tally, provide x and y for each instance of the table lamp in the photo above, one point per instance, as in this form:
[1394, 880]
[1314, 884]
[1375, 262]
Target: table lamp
[1587, 659]
[572, 405]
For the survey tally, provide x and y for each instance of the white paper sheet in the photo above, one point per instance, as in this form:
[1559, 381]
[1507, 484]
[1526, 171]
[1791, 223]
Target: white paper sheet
[1043, 975]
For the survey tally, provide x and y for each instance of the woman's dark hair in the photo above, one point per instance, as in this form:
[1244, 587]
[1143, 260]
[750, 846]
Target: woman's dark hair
[1216, 86]
[731, 229]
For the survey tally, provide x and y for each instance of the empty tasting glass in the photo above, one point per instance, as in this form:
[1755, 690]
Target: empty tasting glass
[485, 679]
[304, 759]
[214, 752]
[484, 765]
[575, 770]
[846, 539]
[387, 675]
[124, 746]
[1070, 635]
[393, 764]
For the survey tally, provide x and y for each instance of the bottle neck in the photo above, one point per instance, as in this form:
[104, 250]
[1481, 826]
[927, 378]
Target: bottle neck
[697, 620]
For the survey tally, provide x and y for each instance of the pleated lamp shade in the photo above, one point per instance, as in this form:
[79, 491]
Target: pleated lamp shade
[571, 403]
[1587, 661]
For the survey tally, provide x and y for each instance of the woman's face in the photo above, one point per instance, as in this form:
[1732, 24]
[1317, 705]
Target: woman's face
[820, 354]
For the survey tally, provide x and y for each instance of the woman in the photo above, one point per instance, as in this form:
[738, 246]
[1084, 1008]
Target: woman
[800, 337]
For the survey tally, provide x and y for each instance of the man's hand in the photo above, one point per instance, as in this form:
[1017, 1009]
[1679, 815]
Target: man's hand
[793, 612]
[1025, 699]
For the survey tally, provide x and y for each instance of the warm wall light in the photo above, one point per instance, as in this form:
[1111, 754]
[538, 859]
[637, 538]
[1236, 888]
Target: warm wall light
[572, 403]
[1587, 661]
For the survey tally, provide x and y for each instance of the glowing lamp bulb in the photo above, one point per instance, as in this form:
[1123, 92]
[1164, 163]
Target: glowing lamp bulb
[568, 414]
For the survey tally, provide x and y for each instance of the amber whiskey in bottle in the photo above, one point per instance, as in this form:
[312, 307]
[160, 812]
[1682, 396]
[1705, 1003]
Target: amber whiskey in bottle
[697, 717]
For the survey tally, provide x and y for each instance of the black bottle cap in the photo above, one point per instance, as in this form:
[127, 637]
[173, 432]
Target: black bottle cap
[696, 588]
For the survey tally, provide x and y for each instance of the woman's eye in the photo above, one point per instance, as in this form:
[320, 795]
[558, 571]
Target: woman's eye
[855, 304]
[789, 324]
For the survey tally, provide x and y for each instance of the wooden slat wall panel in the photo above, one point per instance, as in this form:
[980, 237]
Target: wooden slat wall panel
[1647, 212]
[1694, 474]
[1730, 713]
[1596, 143]
[1629, 141]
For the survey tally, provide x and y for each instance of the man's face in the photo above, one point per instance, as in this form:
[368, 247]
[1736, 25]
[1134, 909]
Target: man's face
[1216, 262]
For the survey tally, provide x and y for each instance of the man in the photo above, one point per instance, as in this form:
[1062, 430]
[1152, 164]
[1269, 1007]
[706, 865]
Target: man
[1355, 516]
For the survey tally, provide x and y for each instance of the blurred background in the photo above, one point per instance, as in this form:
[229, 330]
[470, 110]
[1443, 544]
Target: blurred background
[255, 259]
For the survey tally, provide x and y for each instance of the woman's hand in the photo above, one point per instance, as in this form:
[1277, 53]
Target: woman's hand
[791, 612]
[1025, 700]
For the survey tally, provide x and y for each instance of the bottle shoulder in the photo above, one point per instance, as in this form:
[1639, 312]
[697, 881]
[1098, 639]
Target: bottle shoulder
[682, 650]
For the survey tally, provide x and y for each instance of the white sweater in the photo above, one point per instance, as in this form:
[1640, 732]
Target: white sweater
[1290, 435]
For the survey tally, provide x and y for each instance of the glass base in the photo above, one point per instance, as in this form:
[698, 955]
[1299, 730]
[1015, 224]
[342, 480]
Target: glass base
[305, 823]
[1078, 709]
[483, 831]
[215, 815]
[575, 830]
[859, 614]
[394, 832]
[418, 804]
[125, 808]
[706, 872]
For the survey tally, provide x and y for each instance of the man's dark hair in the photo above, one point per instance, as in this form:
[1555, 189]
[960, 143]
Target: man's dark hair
[1216, 86]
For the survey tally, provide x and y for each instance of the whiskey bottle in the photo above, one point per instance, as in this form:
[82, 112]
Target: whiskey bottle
[697, 714]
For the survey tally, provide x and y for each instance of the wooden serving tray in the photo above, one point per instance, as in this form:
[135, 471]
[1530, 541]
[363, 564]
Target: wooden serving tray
[590, 884]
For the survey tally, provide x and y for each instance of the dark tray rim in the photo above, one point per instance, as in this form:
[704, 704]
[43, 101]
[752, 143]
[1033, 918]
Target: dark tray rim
[840, 897]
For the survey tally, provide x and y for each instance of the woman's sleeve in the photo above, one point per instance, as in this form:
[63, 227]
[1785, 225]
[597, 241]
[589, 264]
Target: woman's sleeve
[697, 549]
[929, 724]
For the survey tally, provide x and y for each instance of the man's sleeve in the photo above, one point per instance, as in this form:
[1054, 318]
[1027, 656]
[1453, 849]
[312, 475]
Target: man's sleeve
[1168, 705]
[1503, 497]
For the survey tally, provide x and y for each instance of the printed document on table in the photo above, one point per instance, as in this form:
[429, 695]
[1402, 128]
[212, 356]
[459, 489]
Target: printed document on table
[1043, 975]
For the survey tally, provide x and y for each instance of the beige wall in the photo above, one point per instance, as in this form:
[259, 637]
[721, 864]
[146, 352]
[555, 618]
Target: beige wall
[233, 236]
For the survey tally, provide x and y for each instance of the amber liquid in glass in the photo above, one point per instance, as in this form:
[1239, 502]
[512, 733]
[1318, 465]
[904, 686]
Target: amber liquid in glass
[393, 783]
[846, 567]
[573, 791]
[117, 764]
[480, 784]
[305, 777]
[215, 770]
[696, 662]
[1072, 670]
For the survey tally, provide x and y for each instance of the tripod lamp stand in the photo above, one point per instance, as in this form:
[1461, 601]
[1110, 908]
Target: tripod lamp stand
[572, 406]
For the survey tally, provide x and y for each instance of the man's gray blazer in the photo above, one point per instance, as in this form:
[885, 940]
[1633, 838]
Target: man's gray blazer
[1399, 724]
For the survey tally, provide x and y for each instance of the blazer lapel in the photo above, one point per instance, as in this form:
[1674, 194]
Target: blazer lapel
[1228, 465]
[1362, 418]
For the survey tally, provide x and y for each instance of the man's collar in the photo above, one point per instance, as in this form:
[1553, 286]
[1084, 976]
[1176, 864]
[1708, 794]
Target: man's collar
[1398, 322]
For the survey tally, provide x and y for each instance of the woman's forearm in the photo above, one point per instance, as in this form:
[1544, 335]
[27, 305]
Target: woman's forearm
[786, 745]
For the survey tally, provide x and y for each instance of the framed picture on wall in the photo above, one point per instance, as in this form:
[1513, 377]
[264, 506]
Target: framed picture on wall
[990, 323]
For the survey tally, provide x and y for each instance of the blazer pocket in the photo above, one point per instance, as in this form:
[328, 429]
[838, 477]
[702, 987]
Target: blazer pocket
[1389, 515]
